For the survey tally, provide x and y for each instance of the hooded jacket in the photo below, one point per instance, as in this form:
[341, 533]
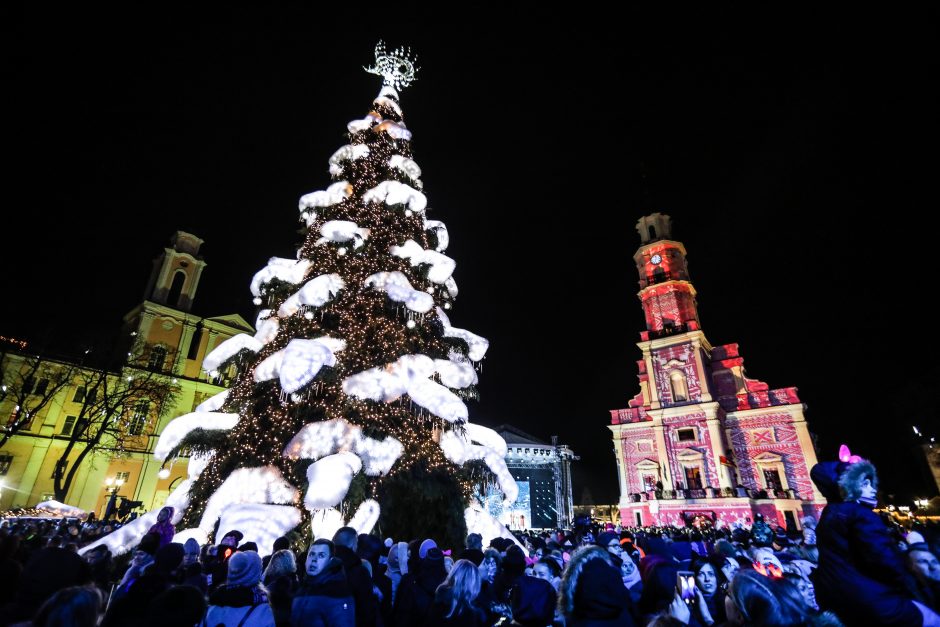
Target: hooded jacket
[325, 599]
[592, 593]
[861, 575]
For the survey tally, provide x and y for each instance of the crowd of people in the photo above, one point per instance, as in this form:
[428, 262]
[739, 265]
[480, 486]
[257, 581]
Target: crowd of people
[850, 568]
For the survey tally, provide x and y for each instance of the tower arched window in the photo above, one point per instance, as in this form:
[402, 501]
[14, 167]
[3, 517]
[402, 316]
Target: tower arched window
[680, 387]
[652, 231]
[157, 359]
[173, 298]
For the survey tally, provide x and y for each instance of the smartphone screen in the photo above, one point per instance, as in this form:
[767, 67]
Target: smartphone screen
[685, 584]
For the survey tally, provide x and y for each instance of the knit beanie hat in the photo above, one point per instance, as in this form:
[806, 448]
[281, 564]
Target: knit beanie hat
[425, 547]
[149, 543]
[191, 547]
[232, 538]
[244, 569]
[606, 538]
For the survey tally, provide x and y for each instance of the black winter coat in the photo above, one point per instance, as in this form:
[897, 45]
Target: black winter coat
[861, 575]
[360, 582]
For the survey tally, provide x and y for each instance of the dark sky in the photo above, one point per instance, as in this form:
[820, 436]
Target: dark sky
[796, 153]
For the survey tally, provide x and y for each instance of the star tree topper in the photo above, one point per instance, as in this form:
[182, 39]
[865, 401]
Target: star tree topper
[397, 68]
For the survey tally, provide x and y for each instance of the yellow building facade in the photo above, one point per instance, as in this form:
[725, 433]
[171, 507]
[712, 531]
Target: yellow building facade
[176, 342]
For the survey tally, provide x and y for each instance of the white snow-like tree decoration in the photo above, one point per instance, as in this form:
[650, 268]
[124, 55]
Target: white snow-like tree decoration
[399, 289]
[213, 403]
[477, 344]
[267, 329]
[440, 231]
[302, 360]
[364, 124]
[406, 165]
[329, 478]
[479, 521]
[263, 484]
[349, 152]
[179, 428]
[61, 509]
[438, 400]
[451, 286]
[315, 293]
[409, 374]
[389, 97]
[260, 523]
[442, 266]
[332, 195]
[325, 522]
[319, 439]
[396, 193]
[367, 514]
[287, 270]
[228, 349]
[456, 374]
[343, 231]
[459, 449]
[299, 365]
[128, 536]
[395, 130]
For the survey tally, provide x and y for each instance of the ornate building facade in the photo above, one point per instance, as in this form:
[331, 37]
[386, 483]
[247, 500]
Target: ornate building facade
[175, 342]
[702, 441]
[543, 473]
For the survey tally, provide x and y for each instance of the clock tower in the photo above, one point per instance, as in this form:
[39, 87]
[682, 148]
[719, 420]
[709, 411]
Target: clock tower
[701, 443]
[665, 290]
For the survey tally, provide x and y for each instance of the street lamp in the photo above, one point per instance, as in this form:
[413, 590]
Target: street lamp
[112, 486]
[921, 504]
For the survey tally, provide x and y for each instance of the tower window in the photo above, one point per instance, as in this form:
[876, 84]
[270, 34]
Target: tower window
[139, 419]
[680, 387]
[686, 435]
[652, 231]
[176, 289]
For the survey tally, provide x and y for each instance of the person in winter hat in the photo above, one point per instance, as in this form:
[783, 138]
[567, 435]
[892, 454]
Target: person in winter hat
[325, 597]
[164, 526]
[241, 601]
[592, 592]
[861, 574]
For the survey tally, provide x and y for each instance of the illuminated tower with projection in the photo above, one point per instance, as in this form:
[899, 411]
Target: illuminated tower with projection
[702, 443]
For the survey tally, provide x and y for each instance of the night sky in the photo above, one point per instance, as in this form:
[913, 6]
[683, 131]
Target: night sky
[797, 155]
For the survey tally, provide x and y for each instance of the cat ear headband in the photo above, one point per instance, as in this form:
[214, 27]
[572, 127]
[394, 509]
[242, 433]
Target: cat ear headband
[845, 455]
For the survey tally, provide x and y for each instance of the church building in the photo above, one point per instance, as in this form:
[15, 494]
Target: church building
[702, 443]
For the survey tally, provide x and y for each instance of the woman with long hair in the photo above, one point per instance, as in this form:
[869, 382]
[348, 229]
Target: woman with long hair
[455, 599]
[280, 579]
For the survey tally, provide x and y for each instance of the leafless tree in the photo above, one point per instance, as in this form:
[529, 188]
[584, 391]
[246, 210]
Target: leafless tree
[29, 384]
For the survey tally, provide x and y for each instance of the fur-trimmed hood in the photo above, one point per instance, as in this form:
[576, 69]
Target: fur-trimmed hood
[841, 481]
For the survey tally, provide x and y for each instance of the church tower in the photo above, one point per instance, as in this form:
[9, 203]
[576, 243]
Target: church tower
[702, 443]
[176, 273]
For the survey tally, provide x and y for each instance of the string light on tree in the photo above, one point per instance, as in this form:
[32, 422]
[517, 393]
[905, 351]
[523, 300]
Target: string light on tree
[356, 379]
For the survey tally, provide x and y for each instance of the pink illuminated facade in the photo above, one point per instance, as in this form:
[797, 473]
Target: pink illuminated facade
[701, 440]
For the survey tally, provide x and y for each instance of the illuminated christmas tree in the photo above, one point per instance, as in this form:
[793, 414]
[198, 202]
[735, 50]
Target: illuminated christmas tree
[348, 406]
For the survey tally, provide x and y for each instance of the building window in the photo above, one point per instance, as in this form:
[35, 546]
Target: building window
[122, 476]
[59, 469]
[79, 394]
[139, 419]
[649, 482]
[68, 426]
[5, 462]
[680, 387]
[157, 358]
[686, 435]
[693, 478]
[772, 479]
[28, 384]
[41, 387]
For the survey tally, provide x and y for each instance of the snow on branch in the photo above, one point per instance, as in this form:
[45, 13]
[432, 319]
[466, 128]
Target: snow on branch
[440, 232]
[442, 266]
[315, 293]
[397, 193]
[342, 231]
[329, 478]
[263, 484]
[299, 362]
[319, 439]
[178, 428]
[228, 349]
[406, 165]
[478, 345]
[287, 270]
[399, 289]
[349, 152]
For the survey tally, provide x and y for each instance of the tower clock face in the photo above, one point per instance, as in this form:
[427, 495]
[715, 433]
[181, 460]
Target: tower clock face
[657, 259]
